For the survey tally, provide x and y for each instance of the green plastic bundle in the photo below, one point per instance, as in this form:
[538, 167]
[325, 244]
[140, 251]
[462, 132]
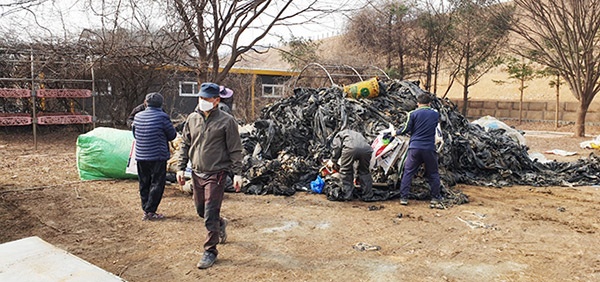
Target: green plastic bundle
[103, 153]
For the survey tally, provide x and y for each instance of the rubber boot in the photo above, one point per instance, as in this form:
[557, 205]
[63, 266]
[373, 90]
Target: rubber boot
[347, 186]
[366, 186]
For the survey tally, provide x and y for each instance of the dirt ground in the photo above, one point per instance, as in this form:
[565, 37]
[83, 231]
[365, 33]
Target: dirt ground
[507, 234]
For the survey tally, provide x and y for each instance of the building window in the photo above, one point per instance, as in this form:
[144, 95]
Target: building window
[188, 89]
[272, 90]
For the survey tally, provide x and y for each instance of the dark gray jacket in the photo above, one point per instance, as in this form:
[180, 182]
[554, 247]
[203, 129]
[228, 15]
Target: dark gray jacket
[348, 140]
[212, 143]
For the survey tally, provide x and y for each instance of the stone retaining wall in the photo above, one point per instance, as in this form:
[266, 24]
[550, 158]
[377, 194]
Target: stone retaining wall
[532, 111]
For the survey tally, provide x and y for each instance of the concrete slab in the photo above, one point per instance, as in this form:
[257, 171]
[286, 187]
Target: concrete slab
[33, 259]
[547, 134]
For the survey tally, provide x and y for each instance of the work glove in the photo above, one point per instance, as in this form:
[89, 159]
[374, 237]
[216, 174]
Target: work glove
[329, 164]
[387, 135]
[237, 183]
[181, 177]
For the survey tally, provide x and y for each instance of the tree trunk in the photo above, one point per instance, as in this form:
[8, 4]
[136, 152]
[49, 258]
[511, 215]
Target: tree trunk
[429, 70]
[428, 76]
[521, 101]
[465, 96]
[202, 73]
[557, 101]
[466, 82]
[389, 43]
[580, 123]
[436, 69]
[401, 67]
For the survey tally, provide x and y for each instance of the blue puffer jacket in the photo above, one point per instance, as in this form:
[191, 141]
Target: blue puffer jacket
[152, 129]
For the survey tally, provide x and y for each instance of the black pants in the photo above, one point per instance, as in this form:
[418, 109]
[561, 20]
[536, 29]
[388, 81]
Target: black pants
[151, 176]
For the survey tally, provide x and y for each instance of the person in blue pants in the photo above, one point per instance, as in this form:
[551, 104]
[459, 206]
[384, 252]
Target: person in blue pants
[421, 125]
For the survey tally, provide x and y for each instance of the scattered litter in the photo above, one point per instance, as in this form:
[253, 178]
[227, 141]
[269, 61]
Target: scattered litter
[480, 215]
[286, 227]
[366, 247]
[375, 208]
[593, 144]
[316, 186]
[539, 157]
[474, 224]
[492, 123]
[561, 209]
[323, 225]
[561, 152]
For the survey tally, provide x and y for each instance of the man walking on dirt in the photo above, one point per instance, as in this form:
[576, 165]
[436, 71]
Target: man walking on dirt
[421, 125]
[152, 130]
[211, 141]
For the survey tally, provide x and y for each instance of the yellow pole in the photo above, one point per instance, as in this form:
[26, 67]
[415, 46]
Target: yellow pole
[252, 91]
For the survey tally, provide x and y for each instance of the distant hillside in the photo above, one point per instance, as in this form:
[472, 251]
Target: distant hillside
[266, 59]
[336, 51]
[487, 89]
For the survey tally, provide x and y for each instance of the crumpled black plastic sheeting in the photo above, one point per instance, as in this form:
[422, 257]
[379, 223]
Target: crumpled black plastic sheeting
[294, 135]
[283, 175]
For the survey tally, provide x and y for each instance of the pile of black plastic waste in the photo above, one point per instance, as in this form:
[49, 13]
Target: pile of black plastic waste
[284, 152]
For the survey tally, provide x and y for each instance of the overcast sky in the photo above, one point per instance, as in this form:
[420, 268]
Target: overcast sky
[74, 16]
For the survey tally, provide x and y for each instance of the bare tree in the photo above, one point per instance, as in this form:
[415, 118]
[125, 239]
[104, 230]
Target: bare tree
[135, 63]
[11, 25]
[563, 35]
[300, 52]
[520, 71]
[385, 28]
[221, 32]
[480, 30]
[555, 82]
[431, 39]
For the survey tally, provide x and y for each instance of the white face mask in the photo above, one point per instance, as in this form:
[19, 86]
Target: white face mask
[205, 106]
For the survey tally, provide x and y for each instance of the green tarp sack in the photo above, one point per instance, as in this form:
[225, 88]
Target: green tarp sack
[103, 153]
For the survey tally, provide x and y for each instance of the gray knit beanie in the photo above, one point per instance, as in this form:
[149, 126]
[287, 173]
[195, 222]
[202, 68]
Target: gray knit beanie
[154, 99]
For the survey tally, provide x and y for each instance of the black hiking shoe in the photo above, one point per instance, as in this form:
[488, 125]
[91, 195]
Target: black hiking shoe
[153, 216]
[208, 259]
